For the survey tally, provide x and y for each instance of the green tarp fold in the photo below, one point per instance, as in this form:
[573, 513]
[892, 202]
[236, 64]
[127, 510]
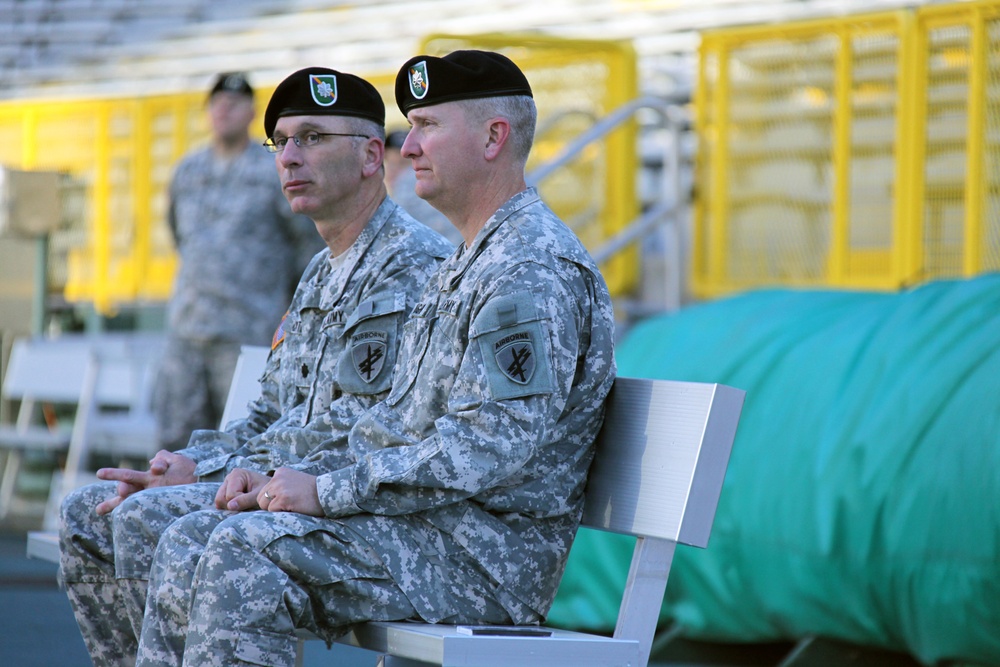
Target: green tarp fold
[862, 500]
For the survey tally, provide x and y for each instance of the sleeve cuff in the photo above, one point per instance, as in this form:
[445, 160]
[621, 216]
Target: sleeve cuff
[336, 493]
[208, 466]
[205, 445]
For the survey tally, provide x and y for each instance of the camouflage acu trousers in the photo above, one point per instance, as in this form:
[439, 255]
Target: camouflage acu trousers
[230, 589]
[105, 560]
[191, 388]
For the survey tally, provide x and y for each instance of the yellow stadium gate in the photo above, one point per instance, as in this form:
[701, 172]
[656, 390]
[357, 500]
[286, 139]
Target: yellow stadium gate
[856, 152]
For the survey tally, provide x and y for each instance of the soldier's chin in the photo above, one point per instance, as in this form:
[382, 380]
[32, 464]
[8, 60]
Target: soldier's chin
[302, 206]
[425, 191]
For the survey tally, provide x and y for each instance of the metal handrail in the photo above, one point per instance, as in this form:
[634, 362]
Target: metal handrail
[599, 130]
[664, 212]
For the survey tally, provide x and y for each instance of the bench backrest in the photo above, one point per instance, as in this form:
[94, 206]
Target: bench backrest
[102, 377]
[657, 474]
[660, 461]
[127, 368]
[54, 370]
[661, 458]
[244, 386]
[41, 371]
[121, 421]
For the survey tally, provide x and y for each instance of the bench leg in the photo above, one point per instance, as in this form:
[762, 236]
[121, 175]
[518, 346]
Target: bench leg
[11, 468]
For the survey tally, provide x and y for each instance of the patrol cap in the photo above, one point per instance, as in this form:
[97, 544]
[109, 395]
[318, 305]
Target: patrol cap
[460, 75]
[319, 91]
[232, 82]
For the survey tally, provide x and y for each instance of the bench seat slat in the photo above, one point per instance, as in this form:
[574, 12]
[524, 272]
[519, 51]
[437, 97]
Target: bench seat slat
[33, 438]
[44, 545]
[445, 645]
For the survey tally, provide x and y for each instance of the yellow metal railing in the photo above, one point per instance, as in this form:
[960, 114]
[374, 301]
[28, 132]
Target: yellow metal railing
[123, 152]
[857, 152]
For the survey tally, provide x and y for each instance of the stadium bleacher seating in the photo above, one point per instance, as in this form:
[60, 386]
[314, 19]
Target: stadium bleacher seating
[91, 47]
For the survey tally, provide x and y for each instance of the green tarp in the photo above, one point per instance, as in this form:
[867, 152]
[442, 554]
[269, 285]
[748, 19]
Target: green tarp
[862, 500]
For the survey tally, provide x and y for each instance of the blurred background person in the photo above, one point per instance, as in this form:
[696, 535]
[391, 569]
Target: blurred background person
[241, 252]
[401, 180]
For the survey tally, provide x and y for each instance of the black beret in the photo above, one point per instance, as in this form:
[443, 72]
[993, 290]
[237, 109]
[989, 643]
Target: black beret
[460, 75]
[232, 82]
[318, 91]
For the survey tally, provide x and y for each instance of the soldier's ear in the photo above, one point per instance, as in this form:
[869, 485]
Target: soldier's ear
[497, 135]
[374, 155]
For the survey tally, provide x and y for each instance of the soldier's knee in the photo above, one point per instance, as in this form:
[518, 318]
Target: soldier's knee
[228, 533]
[130, 511]
[78, 507]
[191, 528]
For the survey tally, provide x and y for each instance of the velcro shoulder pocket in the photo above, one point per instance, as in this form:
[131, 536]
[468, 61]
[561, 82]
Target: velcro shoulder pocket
[371, 341]
[514, 345]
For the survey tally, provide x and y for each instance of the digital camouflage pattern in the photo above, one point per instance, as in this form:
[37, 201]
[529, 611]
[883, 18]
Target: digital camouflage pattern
[333, 353]
[344, 579]
[312, 391]
[108, 592]
[192, 384]
[479, 452]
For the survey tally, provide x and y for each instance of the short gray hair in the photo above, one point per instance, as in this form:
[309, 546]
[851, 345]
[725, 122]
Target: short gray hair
[369, 128]
[520, 112]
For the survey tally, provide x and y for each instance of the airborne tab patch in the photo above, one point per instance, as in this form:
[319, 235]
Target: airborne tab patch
[515, 356]
[368, 353]
[516, 360]
[515, 348]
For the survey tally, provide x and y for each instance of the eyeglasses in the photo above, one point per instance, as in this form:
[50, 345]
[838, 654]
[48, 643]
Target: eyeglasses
[304, 139]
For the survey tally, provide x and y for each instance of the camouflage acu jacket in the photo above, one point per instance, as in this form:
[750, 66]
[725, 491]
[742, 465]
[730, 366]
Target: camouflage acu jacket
[487, 433]
[333, 355]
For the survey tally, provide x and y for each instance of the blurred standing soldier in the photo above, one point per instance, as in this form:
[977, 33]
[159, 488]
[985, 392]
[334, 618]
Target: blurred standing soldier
[241, 251]
[331, 359]
[468, 480]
